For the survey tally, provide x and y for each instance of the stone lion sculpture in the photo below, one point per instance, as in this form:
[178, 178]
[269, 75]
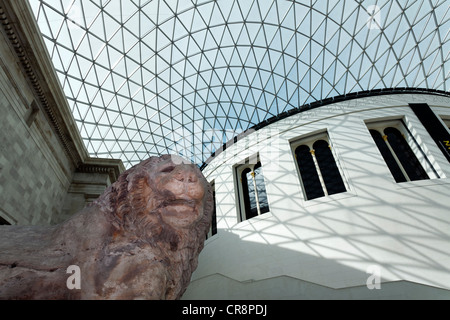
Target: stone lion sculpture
[139, 240]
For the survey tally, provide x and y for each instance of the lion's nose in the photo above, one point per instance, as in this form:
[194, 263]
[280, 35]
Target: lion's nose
[185, 174]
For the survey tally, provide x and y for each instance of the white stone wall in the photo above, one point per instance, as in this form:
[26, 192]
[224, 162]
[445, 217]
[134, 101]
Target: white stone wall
[330, 242]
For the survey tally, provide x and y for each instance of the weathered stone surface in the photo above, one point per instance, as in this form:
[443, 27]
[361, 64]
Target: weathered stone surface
[139, 240]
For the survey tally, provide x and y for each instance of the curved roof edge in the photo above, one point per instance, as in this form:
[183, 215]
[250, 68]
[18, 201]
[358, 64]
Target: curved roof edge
[320, 103]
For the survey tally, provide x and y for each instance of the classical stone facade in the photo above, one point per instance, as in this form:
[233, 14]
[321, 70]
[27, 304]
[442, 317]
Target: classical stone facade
[46, 173]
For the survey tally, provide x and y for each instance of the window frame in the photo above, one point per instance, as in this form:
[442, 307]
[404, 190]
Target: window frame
[309, 140]
[238, 169]
[401, 125]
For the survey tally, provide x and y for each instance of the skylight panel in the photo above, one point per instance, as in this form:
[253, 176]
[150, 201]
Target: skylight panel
[234, 63]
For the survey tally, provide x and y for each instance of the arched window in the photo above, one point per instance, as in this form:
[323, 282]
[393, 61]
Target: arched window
[406, 157]
[388, 156]
[319, 172]
[328, 168]
[308, 173]
[402, 161]
[253, 197]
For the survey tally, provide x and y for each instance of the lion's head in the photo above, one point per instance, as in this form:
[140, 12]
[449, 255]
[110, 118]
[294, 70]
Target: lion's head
[158, 195]
[163, 203]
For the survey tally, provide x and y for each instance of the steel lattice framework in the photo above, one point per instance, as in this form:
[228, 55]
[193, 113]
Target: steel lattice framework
[146, 78]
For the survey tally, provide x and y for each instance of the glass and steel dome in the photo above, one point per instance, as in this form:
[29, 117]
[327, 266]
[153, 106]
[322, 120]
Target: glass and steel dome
[149, 77]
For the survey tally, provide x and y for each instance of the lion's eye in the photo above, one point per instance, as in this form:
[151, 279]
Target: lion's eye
[168, 169]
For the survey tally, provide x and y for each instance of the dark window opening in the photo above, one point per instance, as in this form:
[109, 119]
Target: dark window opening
[319, 172]
[254, 193]
[400, 158]
[405, 155]
[433, 125]
[330, 172]
[213, 228]
[388, 156]
[308, 173]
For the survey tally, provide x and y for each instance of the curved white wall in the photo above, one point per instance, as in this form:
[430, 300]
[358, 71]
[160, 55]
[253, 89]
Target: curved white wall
[322, 248]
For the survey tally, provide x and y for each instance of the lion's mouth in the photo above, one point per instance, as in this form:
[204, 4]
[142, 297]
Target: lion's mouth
[179, 205]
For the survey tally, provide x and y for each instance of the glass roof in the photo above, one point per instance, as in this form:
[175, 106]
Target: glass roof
[146, 78]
